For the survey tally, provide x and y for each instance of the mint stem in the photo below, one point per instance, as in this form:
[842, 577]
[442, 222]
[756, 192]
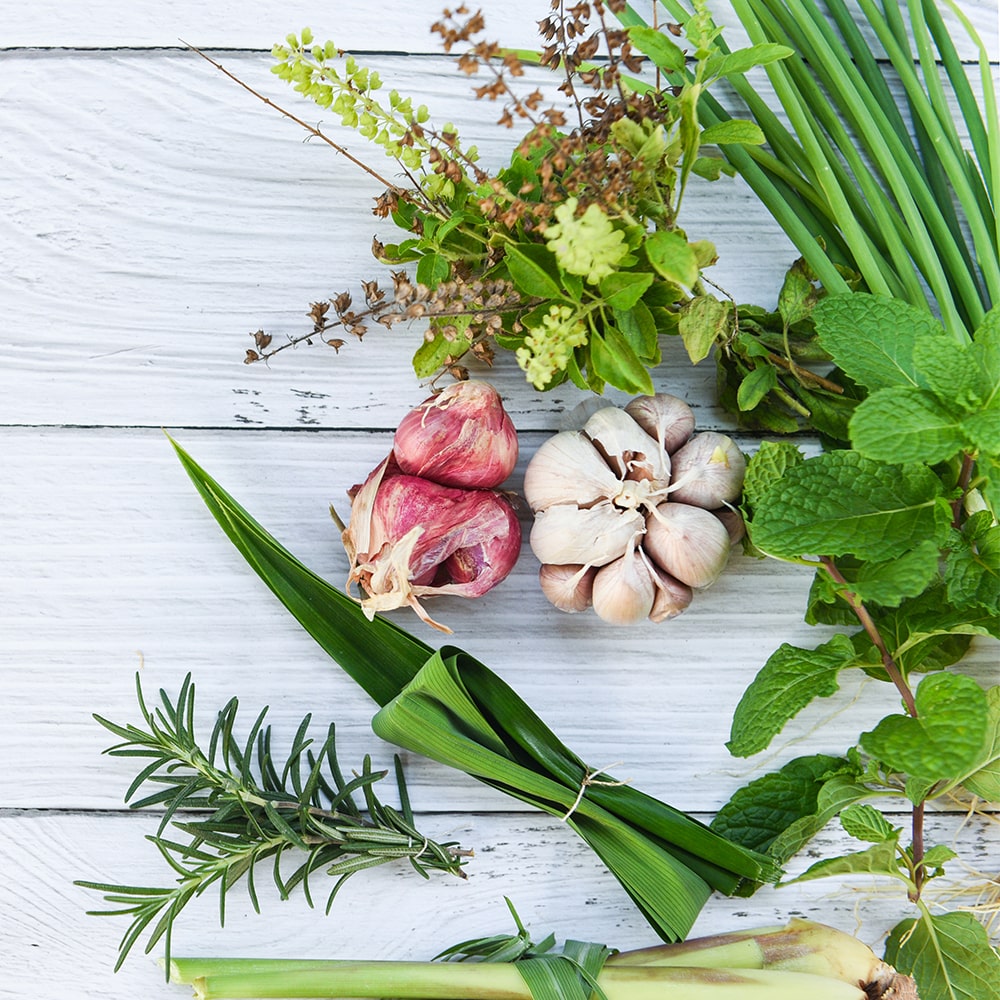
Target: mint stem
[895, 674]
[964, 478]
[917, 847]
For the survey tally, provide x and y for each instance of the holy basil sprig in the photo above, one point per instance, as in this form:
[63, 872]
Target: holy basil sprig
[901, 530]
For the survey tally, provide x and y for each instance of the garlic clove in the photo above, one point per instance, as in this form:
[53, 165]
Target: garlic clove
[665, 418]
[460, 437]
[708, 471]
[671, 598]
[689, 543]
[568, 588]
[567, 468]
[624, 592]
[591, 536]
[733, 521]
[629, 451]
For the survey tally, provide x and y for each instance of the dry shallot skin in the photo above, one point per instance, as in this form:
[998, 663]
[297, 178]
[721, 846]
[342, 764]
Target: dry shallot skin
[569, 588]
[667, 419]
[689, 543]
[708, 471]
[410, 538]
[460, 437]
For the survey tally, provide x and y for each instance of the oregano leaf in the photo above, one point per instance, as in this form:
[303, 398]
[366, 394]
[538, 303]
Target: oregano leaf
[790, 680]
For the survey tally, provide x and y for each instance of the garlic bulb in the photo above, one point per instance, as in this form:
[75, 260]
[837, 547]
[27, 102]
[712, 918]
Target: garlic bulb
[632, 512]
[708, 471]
[689, 543]
[568, 588]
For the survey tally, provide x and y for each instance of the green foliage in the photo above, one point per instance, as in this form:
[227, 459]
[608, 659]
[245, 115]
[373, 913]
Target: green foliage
[257, 811]
[949, 955]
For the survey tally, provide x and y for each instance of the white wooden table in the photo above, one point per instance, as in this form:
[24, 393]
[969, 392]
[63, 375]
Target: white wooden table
[151, 213]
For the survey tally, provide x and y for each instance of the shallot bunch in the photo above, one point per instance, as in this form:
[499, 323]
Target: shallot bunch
[429, 519]
[633, 512]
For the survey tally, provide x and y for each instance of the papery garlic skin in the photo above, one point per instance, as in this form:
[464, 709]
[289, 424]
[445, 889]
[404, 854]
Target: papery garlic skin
[708, 471]
[410, 538]
[460, 437]
[689, 543]
[591, 536]
[627, 449]
[568, 588]
[623, 590]
[672, 597]
[665, 418]
[568, 467]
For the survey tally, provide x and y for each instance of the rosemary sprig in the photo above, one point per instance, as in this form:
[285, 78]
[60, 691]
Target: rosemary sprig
[257, 812]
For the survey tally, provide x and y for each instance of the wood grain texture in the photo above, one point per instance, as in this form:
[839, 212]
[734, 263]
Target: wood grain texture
[52, 949]
[383, 26]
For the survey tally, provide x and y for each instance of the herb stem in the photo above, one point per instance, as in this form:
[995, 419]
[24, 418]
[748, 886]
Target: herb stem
[917, 849]
[895, 674]
[964, 479]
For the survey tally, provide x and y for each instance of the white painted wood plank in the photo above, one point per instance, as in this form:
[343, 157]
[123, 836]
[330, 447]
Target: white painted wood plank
[148, 228]
[109, 553]
[53, 950]
[384, 26]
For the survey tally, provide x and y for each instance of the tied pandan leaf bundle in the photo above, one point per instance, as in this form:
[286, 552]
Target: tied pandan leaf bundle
[453, 709]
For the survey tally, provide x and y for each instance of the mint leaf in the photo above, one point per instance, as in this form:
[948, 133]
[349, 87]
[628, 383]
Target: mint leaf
[986, 350]
[872, 338]
[877, 860]
[972, 570]
[889, 583]
[983, 427]
[951, 372]
[945, 737]
[791, 678]
[782, 809]
[842, 502]
[904, 424]
[766, 467]
[985, 779]
[949, 955]
[864, 822]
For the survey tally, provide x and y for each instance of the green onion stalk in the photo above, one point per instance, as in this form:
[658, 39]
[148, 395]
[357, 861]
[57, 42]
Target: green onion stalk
[801, 961]
[915, 217]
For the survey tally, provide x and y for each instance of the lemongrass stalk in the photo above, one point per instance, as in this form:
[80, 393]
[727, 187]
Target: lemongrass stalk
[252, 978]
[798, 946]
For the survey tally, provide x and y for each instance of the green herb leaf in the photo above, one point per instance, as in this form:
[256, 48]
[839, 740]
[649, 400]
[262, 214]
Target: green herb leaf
[703, 321]
[779, 812]
[432, 269]
[744, 60]
[798, 296]
[842, 502]
[638, 327]
[664, 53]
[983, 428]
[864, 822]
[623, 289]
[944, 739]
[673, 257]
[985, 779]
[733, 131]
[790, 680]
[904, 424]
[431, 355]
[879, 859]
[756, 386]
[766, 467]
[949, 955]
[952, 372]
[613, 360]
[972, 569]
[533, 270]
[889, 583]
[872, 338]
